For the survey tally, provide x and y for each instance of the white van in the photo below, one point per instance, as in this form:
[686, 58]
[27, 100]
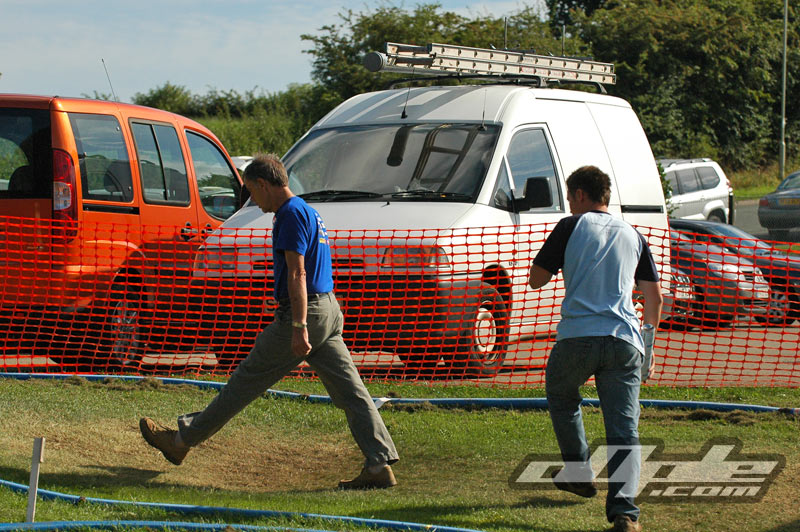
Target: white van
[436, 200]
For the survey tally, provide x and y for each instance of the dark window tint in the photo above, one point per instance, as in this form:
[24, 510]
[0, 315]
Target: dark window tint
[687, 181]
[161, 164]
[408, 158]
[26, 159]
[708, 177]
[104, 162]
[529, 156]
[673, 182]
[216, 181]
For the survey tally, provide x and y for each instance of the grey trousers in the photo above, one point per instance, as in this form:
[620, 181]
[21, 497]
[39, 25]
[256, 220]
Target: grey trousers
[272, 359]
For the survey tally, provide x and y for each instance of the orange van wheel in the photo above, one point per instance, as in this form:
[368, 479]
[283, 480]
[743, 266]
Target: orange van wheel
[118, 330]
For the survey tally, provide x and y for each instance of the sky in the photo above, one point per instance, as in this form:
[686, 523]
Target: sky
[64, 48]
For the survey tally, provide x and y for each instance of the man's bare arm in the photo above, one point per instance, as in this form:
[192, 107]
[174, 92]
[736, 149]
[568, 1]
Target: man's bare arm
[653, 301]
[296, 277]
[539, 276]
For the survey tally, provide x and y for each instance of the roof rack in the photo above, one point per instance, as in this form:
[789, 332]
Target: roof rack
[666, 162]
[438, 59]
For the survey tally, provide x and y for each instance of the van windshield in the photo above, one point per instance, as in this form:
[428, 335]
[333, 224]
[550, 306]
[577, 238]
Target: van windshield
[26, 160]
[404, 162]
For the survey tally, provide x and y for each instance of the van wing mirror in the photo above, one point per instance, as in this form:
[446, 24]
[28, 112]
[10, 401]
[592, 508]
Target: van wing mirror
[536, 194]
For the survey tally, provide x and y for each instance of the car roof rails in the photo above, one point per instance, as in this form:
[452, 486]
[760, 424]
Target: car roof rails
[450, 61]
[671, 162]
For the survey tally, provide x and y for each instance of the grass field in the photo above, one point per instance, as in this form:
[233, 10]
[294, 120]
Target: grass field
[282, 454]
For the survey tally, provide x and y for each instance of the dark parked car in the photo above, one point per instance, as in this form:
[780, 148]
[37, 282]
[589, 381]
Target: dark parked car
[725, 285]
[781, 270]
[779, 211]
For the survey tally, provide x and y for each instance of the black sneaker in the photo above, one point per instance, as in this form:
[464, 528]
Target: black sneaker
[582, 489]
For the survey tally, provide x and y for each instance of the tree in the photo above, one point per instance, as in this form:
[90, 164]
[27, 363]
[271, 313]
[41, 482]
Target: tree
[703, 76]
[561, 10]
[169, 97]
[339, 50]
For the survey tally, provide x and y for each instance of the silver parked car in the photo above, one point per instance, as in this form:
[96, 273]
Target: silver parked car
[725, 285]
[779, 211]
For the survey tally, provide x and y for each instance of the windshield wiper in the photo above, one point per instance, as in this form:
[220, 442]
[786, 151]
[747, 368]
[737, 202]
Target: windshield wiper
[431, 194]
[335, 195]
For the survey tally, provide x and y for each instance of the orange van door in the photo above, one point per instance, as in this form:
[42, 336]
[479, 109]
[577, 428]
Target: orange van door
[217, 184]
[171, 233]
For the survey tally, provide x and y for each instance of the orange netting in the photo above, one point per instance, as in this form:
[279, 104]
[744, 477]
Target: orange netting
[447, 306]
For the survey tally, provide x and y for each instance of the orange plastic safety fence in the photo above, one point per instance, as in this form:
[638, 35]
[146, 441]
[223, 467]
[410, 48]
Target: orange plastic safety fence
[444, 306]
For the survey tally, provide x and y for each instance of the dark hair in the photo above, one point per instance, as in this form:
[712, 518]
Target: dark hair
[593, 181]
[267, 166]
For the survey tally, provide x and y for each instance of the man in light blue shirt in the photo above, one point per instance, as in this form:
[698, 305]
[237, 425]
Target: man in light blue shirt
[602, 258]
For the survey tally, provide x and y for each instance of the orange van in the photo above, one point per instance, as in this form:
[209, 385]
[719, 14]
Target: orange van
[102, 207]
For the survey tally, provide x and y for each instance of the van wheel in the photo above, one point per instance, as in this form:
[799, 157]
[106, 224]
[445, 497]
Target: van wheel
[121, 336]
[483, 344]
[717, 216]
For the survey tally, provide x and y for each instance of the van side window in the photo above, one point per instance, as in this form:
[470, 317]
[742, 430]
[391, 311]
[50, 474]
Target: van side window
[673, 182]
[161, 164]
[708, 177]
[529, 156]
[216, 182]
[26, 158]
[103, 158]
[687, 181]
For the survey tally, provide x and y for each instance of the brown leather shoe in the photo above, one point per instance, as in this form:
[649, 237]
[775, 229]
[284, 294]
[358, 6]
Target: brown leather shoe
[367, 481]
[163, 439]
[582, 489]
[623, 523]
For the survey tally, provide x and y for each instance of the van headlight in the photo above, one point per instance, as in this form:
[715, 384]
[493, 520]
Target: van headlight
[401, 257]
[219, 259]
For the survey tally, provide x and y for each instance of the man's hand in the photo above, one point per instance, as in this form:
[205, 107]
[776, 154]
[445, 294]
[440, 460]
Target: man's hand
[301, 347]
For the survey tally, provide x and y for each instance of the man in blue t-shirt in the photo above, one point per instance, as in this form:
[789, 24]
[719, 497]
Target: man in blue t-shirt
[602, 258]
[307, 326]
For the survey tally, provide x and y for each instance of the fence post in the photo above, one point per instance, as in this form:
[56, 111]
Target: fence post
[33, 483]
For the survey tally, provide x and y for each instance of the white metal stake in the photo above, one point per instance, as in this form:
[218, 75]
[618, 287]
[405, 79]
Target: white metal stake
[33, 484]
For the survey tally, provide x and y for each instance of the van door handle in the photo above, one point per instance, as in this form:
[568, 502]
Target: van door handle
[207, 229]
[188, 232]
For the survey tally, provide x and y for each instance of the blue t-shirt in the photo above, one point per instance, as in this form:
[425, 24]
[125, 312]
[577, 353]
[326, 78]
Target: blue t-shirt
[298, 227]
[602, 257]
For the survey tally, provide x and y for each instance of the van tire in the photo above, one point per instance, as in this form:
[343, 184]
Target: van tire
[120, 340]
[717, 216]
[483, 343]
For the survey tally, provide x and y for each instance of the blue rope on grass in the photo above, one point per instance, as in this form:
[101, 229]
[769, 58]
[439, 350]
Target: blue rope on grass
[186, 509]
[165, 526]
[520, 403]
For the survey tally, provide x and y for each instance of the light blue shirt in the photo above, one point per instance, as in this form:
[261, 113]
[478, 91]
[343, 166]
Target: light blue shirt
[600, 262]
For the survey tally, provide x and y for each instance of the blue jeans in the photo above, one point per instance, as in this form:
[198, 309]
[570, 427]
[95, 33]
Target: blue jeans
[615, 365]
